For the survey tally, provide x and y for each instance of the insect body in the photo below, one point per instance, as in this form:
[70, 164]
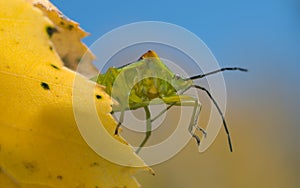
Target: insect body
[137, 84]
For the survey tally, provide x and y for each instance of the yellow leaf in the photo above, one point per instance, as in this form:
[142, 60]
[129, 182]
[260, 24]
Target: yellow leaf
[67, 41]
[40, 145]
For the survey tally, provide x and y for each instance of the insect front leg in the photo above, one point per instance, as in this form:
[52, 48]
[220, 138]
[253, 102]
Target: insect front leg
[148, 128]
[185, 100]
[194, 121]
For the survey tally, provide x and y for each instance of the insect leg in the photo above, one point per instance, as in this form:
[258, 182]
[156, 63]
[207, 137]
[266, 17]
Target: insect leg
[220, 112]
[170, 105]
[194, 121]
[120, 122]
[185, 100]
[162, 112]
[148, 128]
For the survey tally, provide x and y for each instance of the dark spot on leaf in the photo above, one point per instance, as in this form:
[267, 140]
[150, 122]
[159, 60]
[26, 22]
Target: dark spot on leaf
[62, 23]
[94, 164]
[50, 31]
[54, 66]
[45, 86]
[30, 166]
[98, 96]
[59, 177]
[50, 48]
[70, 27]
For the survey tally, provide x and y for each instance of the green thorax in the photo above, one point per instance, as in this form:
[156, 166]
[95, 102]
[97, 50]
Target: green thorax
[136, 84]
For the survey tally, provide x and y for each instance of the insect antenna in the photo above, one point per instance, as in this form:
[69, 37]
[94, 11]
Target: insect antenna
[220, 112]
[216, 71]
[122, 66]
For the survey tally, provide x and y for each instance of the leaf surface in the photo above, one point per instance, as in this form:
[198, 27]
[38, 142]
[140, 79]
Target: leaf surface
[40, 145]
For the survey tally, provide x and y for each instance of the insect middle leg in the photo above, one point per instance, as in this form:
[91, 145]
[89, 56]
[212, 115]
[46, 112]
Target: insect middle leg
[120, 122]
[148, 128]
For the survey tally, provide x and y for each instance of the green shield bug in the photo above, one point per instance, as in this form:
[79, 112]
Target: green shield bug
[136, 84]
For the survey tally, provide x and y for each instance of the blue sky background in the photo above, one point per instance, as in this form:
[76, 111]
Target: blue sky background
[214, 21]
[237, 32]
[262, 35]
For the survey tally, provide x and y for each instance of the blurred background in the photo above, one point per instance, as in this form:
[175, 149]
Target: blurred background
[263, 104]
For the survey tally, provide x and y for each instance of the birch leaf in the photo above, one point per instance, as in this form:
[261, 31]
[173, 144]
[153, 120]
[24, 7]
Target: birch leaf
[67, 40]
[40, 144]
